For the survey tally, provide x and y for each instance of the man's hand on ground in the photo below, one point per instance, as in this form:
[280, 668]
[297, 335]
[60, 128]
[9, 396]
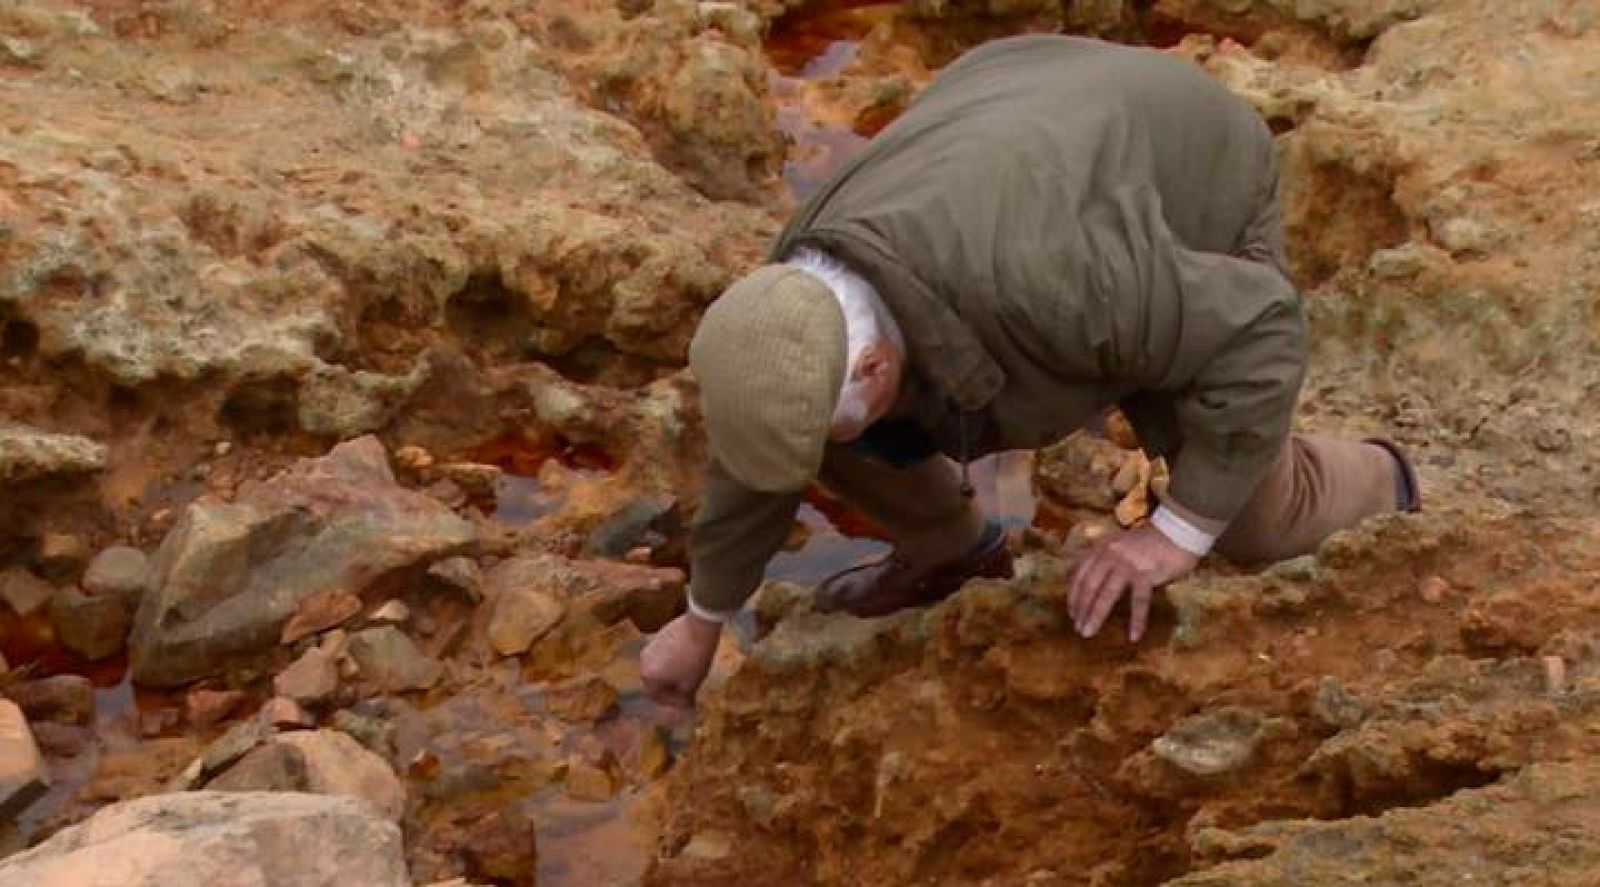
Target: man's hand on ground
[1139, 560]
[677, 659]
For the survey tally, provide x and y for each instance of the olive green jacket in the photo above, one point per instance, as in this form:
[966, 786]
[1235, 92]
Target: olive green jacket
[1060, 225]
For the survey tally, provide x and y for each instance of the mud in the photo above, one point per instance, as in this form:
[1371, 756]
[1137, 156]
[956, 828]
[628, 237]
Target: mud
[484, 232]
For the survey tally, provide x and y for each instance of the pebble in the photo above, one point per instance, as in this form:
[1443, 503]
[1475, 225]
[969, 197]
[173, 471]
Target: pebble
[63, 699]
[284, 713]
[24, 592]
[62, 553]
[391, 613]
[222, 448]
[586, 782]
[1555, 675]
[1433, 589]
[414, 458]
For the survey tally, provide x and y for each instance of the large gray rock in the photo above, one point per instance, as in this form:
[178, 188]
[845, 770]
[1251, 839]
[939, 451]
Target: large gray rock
[229, 575]
[219, 839]
[22, 773]
[390, 661]
[27, 453]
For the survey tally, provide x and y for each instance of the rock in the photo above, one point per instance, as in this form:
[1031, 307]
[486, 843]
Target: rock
[374, 733]
[655, 756]
[240, 739]
[62, 699]
[93, 626]
[1337, 707]
[24, 592]
[582, 700]
[283, 713]
[460, 573]
[61, 554]
[587, 782]
[311, 678]
[220, 840]
[206, 707]
[503, 848]
[146, 768]
[1555, 675]
[519, 616]
[320, 613]
[118, 571]
[622, 531]
[61, 740]
[709, 846]
[27, 453]
[324, 526]
[1433, 589]
[391, 613]
[388, 659]
[321, 761]
[413, 458]
[1213, 743]
[23, 778]
[476, 480]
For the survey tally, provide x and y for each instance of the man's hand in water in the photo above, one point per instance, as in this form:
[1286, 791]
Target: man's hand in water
[675, 662]
[1139, 560]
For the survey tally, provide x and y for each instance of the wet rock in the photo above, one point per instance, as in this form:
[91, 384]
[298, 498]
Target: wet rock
[27, 453]
[220, 839]
[582, 700]
[283, 713]
[504, 848]
[93, 626]
[588, 782]
[118, 571]
[23, 778]
[321, 761]
[461, 574]
[519, 616]
[624, 530]
[339, 523]
[319, 613]
[391, 662]
[63, 699]
[24, 592]
[204, 708]
[310, 679]
[1214, 743]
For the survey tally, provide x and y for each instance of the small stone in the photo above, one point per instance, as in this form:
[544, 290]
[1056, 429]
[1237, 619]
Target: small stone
[310, 679]
[389, 659]
[322, 761]
[476, 480]
[284, 713]
[320, 612]
[503, 847]
[93, 627]
[446, 492]
[1337, 707]
[189, 779]
[222, 448]
[1555, 675]
[62, 699]
[374, 733]
[1433, 589]
[24, 592]
[709, 846]
[460, 573]
[521, 616]
[641, 555]
[23, 778]
[586, 782]
[233, 745]
[1214, 743]
[582, 700]
[391, 613]
[413, 458]
[117, 571]
[654, 754]
[61, 554]
[61, 740]
[206, 707]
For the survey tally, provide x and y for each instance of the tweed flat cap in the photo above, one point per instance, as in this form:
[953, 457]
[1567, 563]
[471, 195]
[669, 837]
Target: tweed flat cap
[770, 358]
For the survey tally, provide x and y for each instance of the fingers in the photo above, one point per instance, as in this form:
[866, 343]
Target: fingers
[1090, 573]
[1104, 599]
[1139, 607]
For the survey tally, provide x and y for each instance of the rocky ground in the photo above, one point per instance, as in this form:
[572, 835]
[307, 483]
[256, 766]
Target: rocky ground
[346, 458]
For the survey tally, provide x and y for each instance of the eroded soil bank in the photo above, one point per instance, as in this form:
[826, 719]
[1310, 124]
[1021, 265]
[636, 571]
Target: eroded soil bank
[345, 448]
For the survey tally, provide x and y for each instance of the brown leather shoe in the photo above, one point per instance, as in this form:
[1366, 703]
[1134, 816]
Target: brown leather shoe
[884, 586]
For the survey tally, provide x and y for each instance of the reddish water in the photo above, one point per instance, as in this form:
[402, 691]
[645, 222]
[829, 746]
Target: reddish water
[524, 454]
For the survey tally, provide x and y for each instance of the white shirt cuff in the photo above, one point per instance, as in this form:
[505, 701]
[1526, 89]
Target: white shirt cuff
[1182, 533]
[709, 615]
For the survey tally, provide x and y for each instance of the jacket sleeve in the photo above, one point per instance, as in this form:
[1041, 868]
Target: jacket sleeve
[1234, 416]
[735, 533]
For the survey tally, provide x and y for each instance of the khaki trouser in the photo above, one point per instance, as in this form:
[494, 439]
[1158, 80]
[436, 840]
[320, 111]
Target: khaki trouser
[1316, 487]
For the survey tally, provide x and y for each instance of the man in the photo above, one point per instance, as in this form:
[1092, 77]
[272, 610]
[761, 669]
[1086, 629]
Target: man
[1056, 226]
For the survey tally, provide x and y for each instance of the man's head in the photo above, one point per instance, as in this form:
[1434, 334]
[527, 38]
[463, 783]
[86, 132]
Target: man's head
[783, 369]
